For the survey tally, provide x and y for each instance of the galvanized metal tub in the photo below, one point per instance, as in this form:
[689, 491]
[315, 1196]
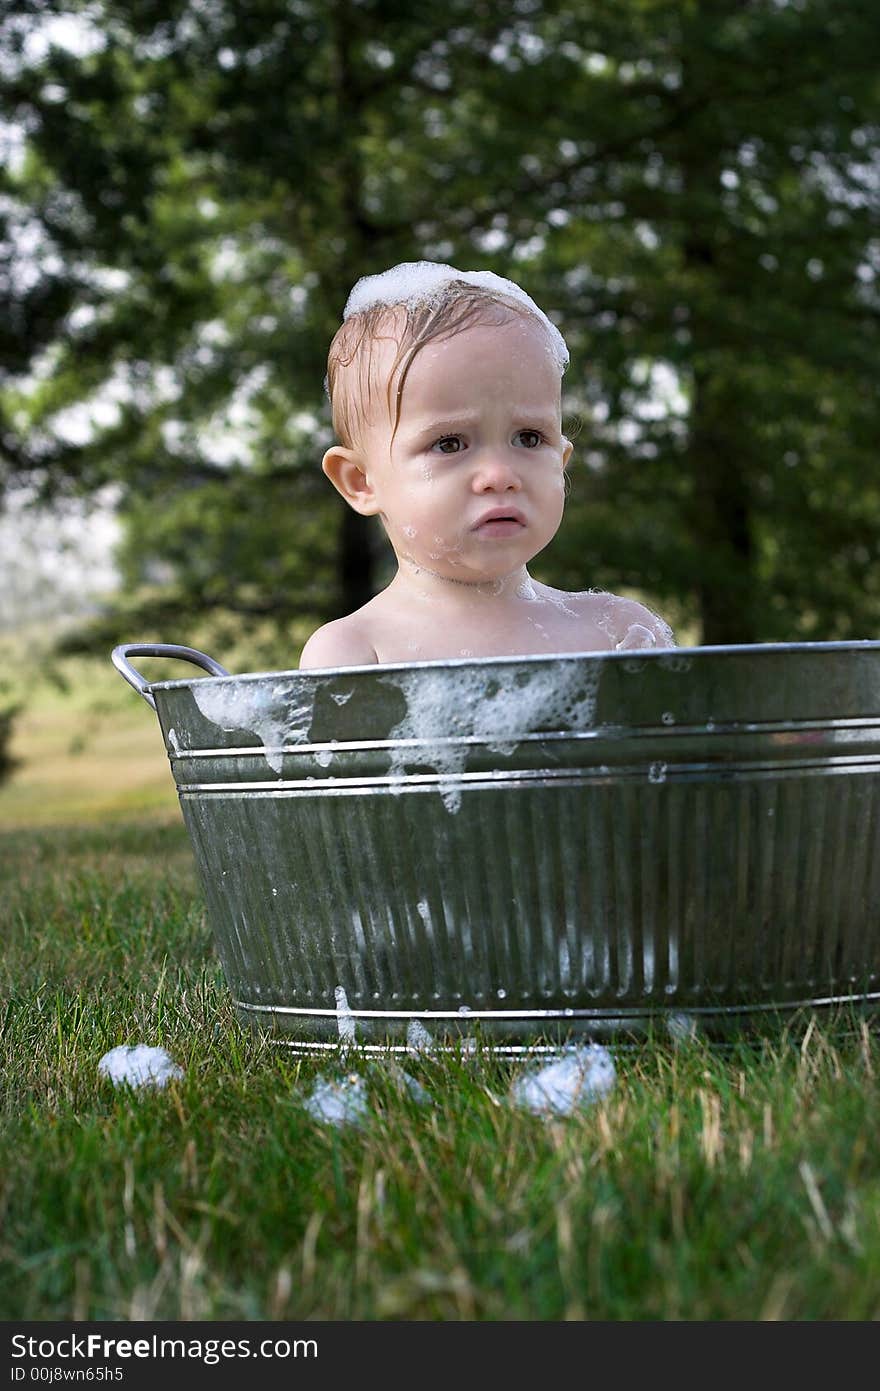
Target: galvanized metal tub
[532, 848]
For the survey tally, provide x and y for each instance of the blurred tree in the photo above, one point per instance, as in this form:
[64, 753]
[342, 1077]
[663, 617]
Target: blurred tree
[689, 186]
[8, 713]
[693, 190]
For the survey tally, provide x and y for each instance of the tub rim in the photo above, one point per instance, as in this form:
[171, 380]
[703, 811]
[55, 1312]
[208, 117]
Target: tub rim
[648, 654]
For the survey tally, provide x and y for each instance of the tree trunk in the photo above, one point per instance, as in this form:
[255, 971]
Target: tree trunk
[722, 515]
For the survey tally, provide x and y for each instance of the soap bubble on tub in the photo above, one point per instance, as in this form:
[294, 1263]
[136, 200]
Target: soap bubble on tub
[345, 1020]
[577, 1077]
[278, 716]
[447, 710]
[139, 1065]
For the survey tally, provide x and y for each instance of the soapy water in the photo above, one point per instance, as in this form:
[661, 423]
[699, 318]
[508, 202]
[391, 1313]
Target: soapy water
[414, 283]
[443, 710]
[139, 1065]
[446, 708]
[277, 714]
[579, 1076]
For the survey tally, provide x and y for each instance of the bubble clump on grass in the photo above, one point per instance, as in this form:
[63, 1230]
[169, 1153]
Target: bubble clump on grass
[576, 1078]
[138, 1065]
[338, 1100]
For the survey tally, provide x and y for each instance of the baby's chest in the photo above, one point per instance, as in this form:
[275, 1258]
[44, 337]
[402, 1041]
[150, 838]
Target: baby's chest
[541, 629]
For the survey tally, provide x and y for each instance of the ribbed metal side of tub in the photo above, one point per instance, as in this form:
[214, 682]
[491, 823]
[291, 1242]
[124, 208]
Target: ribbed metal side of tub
[534, 848]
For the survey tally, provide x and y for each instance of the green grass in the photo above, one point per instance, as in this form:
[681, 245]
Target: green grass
[708, 1185]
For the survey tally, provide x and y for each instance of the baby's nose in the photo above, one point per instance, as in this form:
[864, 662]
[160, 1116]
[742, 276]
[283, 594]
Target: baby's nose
[496, 473]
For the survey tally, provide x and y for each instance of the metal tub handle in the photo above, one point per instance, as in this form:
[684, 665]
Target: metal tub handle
[119, 657]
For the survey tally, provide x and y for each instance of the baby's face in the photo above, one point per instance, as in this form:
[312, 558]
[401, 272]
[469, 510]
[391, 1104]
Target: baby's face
[473, 485]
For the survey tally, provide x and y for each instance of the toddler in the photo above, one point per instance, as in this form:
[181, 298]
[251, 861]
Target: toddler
[445, 387]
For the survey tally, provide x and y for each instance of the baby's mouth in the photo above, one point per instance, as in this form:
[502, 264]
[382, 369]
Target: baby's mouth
[500, 521]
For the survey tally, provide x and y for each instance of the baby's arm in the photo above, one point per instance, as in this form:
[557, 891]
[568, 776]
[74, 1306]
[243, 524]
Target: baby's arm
[341, 643]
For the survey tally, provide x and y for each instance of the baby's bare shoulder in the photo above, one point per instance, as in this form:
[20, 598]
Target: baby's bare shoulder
[624, 622]
[344, 642]
[633, 624]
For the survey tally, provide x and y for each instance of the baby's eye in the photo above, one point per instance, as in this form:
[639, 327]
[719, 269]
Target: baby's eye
[529, 439]
[448, 444]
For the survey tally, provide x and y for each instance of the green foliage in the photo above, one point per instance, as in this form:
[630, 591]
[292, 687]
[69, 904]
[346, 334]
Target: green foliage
[689, 189]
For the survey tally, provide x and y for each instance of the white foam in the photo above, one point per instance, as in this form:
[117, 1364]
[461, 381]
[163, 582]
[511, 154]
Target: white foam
[345, 1021]
[139, 1065]
[338, 1101]
[576, 1078]
[415, 282]
[278, 714]
[526, 589]
[407, 1083]
[636, 636]
[418, 1038]
[446, 708]
[683, 1028]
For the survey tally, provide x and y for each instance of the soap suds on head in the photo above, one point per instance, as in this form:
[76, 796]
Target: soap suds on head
[446, 708]
[138, 1065]
[418, 282]
[576, 1078]
[277, 714]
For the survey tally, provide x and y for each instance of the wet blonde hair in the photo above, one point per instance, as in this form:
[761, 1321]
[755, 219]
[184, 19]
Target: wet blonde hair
[353, 380]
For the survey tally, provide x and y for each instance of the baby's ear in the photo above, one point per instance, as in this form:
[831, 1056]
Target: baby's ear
[567, 451]
[345, 470]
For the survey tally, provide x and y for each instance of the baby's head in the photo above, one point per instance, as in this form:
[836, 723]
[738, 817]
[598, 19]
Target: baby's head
[389, 318]
[445, 387]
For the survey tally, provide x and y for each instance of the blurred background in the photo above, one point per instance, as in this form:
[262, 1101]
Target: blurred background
[690, 188]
